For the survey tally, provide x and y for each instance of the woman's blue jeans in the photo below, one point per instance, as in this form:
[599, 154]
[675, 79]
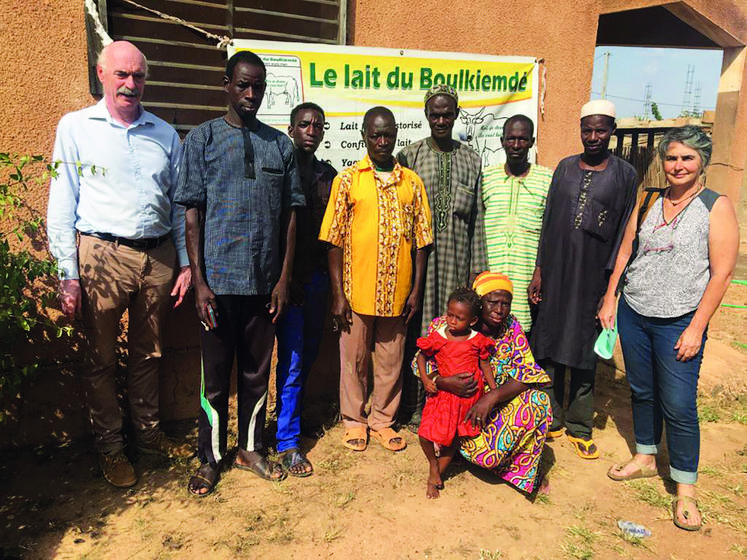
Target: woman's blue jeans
[663, 390]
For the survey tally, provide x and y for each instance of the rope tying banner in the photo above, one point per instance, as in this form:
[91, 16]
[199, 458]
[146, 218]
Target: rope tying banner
[543, 92]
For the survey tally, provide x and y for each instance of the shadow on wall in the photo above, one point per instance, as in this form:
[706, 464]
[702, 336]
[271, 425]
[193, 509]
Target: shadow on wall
[350, 30]
[50, 406]
[321, 401]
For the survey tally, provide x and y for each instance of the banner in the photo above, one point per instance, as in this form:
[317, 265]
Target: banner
[347, 81]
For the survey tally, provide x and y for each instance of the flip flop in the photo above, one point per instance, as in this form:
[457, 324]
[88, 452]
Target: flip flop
[261, 466]
[386, 437]
[293, 458]
[688, 501]
[642, 471]
[555, 434]
[585, 448]
[355, 434]
[205, 477]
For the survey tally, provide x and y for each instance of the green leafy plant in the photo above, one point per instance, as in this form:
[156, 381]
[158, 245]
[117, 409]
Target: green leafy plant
[26, 277]
[655, 111]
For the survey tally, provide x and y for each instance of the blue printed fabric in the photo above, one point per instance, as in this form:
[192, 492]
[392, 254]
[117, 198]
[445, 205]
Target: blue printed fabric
[242, 214]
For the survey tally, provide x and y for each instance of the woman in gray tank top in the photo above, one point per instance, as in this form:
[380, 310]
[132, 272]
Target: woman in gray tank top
[684, 258]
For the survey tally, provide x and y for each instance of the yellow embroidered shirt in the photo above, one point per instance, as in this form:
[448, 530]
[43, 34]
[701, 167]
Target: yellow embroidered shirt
[376, 223]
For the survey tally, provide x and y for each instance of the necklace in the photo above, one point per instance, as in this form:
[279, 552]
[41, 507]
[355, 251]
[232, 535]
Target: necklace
[684, 198]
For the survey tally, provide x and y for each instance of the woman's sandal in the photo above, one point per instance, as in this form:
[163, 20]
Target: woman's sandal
[585, 448]
[356, 438]
[642, 471]
[387, 437]
[686, 512]
[296, 463]
[205, 478]
[260, 465]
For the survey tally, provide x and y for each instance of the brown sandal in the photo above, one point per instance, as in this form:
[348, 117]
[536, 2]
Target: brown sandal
[356, 438]
[387, 437]
[260, 465]
[688, 502]
[642, 471]
[206, 477]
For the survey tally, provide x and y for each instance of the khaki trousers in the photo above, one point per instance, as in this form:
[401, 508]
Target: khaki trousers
[388, 337]
[114, 278]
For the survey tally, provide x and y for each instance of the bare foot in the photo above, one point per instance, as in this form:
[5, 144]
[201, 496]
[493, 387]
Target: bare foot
[434, 485]
[431, 491]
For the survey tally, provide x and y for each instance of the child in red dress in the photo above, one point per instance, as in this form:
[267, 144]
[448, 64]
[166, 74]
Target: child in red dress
[456, 349]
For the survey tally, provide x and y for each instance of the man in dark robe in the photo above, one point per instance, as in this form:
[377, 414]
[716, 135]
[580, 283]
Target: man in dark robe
[589, 202]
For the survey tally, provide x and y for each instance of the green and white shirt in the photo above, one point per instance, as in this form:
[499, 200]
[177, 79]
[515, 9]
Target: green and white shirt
[514, 207]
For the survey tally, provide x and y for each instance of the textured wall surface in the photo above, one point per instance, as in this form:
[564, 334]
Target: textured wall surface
[564, 37]
[44, 72]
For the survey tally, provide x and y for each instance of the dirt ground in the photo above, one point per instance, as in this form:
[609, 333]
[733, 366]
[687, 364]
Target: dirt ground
[54, 503]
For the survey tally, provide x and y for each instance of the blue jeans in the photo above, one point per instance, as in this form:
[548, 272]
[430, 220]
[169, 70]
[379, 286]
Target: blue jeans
[299, 334]
[663, 390]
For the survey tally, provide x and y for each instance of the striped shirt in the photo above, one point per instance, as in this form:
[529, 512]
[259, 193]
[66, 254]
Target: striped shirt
[513, 221]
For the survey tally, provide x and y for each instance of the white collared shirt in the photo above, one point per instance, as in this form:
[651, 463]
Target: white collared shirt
[113, 179]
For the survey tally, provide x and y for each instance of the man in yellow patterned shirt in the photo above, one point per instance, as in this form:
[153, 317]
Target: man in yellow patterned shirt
[377, 214]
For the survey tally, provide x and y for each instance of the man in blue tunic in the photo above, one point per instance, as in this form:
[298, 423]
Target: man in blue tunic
[239, 182]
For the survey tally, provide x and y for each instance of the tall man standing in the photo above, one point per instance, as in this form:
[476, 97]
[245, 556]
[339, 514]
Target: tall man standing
[239, 182]
[514, 194]
[451, 172]
[300, 331]
[131, 235]
[377, 214]
[589, 203]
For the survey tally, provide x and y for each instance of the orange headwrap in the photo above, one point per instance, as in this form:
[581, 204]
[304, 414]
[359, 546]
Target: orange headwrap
[491, 281]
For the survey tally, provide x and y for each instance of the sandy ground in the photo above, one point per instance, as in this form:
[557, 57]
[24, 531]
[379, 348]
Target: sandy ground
[54, 504]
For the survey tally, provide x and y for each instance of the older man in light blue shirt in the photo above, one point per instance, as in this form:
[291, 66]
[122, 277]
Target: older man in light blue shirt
[117, 235]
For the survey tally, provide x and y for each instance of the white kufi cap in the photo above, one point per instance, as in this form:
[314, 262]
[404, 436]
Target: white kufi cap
[598, 107]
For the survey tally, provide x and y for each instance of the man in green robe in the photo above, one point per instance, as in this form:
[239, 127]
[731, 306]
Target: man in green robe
[452, 174]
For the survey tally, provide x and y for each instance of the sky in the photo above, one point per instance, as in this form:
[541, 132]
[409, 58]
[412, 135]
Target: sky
[631, 68]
